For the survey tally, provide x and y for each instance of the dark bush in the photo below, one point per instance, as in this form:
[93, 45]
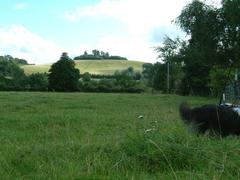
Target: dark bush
[12, 77]
[38, 82]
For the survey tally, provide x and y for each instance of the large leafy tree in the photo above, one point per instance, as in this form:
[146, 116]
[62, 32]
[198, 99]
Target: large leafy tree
[202, 23]
[12, 77]
[213, 38]
[229, 38]
[63, 76]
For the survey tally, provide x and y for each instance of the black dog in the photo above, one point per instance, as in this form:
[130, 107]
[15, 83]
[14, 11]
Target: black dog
[219, 119]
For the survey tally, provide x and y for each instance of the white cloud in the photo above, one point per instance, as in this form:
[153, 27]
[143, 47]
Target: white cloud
[139, 20]
[131, 47]
[19, 42]
[140, 16]
[21, 6]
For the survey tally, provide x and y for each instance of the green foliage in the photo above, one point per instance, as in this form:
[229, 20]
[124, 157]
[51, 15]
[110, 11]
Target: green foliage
[196, 79]
[86, 77]
[106, 85]
[230, 34]
[125, 78]
[148, 73]
[63, 76]
[168, 52]
[219, 79]
[98, 55]
[156, 74]
[127, 82]
[214, 32]
[200, 21]
[12, 77]
[38, 82]
[213, 39]
[122, 81]
[14, 60]
[90, 86]
[160, 77]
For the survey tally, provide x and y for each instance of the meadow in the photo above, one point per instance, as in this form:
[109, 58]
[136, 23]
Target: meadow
[91, 66]
[108, 136]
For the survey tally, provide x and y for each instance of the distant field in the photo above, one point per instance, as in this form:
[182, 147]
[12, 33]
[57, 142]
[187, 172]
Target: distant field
[99, 136]
[92, 66]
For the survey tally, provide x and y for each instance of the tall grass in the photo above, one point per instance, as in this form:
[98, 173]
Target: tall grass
[107, 136]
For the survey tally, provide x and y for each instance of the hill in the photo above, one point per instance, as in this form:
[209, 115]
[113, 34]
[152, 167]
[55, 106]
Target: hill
[91, 66]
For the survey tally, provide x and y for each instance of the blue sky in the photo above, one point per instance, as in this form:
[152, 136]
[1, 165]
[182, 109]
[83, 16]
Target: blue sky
[40, 31]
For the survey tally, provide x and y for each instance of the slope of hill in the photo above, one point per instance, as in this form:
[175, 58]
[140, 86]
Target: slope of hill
[91, 66]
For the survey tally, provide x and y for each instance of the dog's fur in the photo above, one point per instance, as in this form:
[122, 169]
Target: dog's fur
[219, 119]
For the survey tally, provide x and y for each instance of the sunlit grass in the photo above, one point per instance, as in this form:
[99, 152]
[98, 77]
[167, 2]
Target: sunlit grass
[91, 66]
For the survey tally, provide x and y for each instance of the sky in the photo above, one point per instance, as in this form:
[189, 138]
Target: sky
[39, 31]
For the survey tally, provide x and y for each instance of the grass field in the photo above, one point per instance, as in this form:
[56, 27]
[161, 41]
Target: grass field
[92, 66]
[99, 136]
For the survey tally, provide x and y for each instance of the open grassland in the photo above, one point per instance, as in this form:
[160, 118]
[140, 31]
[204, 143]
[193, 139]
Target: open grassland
[99, 136]
[91, 66]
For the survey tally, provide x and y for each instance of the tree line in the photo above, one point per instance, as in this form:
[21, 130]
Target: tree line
[98, 55]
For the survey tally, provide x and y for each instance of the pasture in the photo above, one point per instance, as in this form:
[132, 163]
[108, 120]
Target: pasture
[102, 136]
[91, 66]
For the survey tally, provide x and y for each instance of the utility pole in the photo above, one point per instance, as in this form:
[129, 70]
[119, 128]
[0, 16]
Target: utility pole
[168, 78]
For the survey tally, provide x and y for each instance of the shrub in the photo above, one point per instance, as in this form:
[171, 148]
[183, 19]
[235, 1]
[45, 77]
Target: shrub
[38, 82]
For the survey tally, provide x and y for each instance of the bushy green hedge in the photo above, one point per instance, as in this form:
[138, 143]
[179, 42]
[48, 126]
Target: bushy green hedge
[122, 81]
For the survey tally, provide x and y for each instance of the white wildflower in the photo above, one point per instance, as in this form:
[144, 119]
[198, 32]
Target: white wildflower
[148, 130]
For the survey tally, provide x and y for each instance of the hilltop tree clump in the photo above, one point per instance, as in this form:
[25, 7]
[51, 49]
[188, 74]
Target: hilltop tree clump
[63, 76]
[98, 55]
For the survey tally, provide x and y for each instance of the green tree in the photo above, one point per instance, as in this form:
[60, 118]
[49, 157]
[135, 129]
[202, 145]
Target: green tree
[38, 82]
[169, 53]
[15, 60]
[125, 78]
[148, 72]
[63, 76]
[96, 52]
[86, 77]
[213, 39]
[229, 38]
[202, 23]
[12, 76]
